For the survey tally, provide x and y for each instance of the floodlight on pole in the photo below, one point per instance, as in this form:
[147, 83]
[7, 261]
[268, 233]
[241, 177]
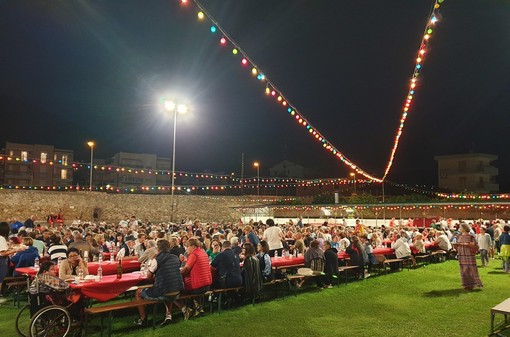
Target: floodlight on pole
[91, 144]
[171, 106]
[257, 165]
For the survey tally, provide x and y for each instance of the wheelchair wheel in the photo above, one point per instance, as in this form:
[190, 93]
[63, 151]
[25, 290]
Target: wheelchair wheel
[52, 321]
[23, 321]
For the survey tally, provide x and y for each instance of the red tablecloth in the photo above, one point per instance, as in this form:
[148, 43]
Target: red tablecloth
[128, 266]
[293, 261]
[384, 251]
[109, 287]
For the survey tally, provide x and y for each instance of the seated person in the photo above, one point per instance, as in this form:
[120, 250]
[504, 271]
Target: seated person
[167, 279]
[264, 261]
[127, 248]
[315, 260]
[252, 276]
[196, 274]
[26, 257]
[47, 288]
[331, 266]
[227, 267]
[70, 267]
[214, 250]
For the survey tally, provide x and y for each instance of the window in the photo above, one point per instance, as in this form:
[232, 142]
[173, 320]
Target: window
[462, 166]
[65, 159]
[44, 157]
[462, 182]
[63, 174]
[11, 153]
[24, 155]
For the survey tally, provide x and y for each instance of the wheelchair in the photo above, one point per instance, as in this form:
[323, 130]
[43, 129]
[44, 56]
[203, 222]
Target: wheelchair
[47, 312]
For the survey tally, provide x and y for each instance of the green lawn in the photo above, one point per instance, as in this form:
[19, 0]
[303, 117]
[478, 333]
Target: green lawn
[428, 301]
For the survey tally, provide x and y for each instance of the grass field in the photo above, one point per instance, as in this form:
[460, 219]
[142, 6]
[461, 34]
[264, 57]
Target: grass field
[427, 301]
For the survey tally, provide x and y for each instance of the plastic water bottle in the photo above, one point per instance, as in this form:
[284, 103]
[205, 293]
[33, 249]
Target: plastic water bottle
[112, 258]
[59, 262]
[80, 275]
[100, 258]
[36, 263]
[99, 273]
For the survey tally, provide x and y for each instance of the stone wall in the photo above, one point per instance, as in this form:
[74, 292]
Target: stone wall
[113, 207]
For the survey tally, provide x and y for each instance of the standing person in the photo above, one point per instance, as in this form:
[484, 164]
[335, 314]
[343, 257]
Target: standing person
[251, 236]
[5, 251]
[466, 251]
[273, 236]
[29, 223]
[167, 279]
[484, 242]
[504, 248]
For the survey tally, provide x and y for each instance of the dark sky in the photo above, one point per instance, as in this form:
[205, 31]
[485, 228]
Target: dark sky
[71, 71]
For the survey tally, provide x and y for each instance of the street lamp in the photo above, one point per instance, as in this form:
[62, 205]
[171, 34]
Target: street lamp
[353, 175]
[91, 144]
[175, 108]
[257, 165]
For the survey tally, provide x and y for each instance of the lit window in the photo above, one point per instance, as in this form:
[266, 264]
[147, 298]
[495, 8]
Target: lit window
[63, 174]
[24, 155]
[64, 159]
[11, 153]
[44, 157]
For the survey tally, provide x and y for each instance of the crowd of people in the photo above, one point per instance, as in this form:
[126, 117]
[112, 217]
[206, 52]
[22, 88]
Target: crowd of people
[193, 257]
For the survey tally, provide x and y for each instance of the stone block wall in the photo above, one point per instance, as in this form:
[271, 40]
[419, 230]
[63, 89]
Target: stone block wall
[113, 207]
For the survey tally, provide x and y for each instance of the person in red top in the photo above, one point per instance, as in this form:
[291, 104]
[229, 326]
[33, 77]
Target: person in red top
[196, 275]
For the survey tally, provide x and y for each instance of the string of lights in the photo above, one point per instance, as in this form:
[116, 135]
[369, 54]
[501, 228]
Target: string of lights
[272, 90]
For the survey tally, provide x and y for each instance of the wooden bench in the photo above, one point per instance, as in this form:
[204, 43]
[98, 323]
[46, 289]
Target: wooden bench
[424, 259]
[344, 270]
[220, 292]
[388, 262]
[504, 309]
[438, 256]
[17, 284]
[110, 308]
[294, 278]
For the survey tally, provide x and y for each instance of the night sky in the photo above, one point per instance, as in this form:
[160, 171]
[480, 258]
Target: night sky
[72, 71]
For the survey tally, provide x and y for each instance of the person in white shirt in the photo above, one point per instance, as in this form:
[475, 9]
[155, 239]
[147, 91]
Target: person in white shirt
[485, 244]
[401, 247]
[344, 242]
[273, 235]
[443, 242]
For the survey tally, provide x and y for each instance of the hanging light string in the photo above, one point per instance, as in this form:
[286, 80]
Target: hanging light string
[429, 28]
[272, 89]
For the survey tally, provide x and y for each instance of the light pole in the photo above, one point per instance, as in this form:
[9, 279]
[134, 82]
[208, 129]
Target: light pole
[257, 165]
[175, 108]
[353, 175]
[91, 144]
